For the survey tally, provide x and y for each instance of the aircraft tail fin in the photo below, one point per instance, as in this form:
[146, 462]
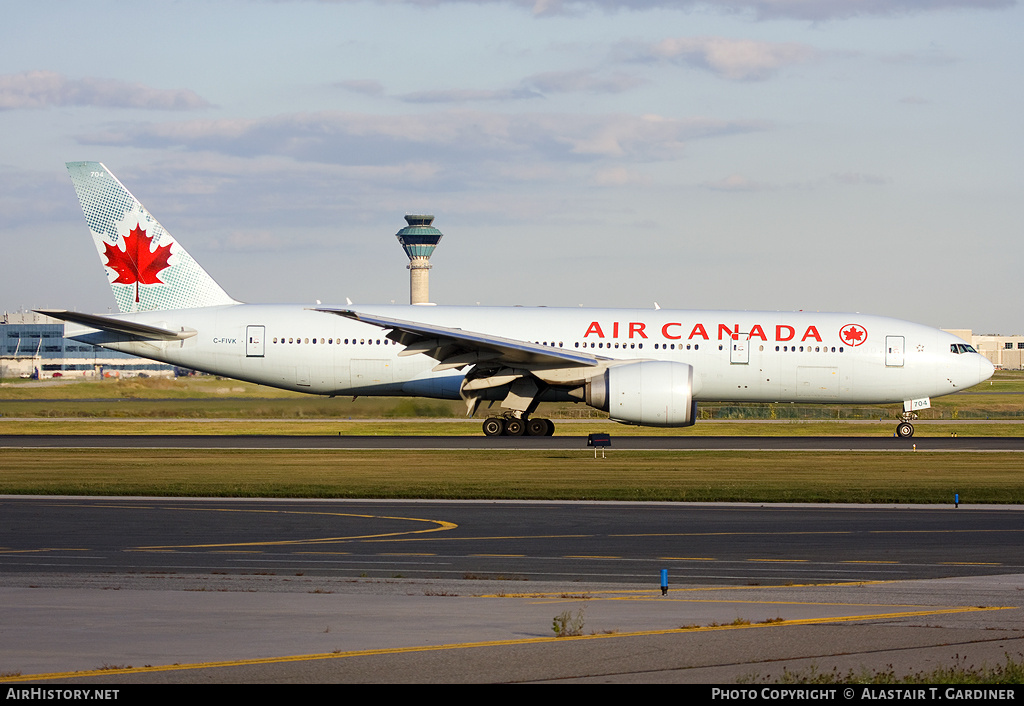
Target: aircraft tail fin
[147, 268]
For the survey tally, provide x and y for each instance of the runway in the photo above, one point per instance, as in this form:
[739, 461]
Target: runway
[217, 590]
[482, 443]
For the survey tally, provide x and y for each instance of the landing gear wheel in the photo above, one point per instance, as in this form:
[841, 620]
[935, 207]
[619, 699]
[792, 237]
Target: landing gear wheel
[904, 430]
[538, 427]
[494, 426]
[514, 427]
[551, 428]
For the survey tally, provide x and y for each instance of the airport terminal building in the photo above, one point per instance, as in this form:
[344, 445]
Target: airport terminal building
[33, 346]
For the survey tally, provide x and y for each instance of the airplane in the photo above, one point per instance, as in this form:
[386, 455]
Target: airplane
[647, 367]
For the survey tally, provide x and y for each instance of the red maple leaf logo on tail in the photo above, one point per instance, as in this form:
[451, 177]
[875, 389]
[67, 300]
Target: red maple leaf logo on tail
[138, 264]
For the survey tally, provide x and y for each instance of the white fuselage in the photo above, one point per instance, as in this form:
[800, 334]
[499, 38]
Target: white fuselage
[741, 356]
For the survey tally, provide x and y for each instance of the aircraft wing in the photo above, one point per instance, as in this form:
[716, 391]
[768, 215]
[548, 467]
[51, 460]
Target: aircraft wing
[119, 326]
[457, 348]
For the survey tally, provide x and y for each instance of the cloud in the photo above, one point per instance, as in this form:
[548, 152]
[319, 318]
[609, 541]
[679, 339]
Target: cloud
[815, 10]
[448, 137]
[733, 59]
[256, 240]
[858, 179]
[364, 86]
[581, 81]
[46, 89]
[740, 183]
[32, 197]
[619, 176]
[933, 58]
[535, 86]
[736, 182]
[466, 95]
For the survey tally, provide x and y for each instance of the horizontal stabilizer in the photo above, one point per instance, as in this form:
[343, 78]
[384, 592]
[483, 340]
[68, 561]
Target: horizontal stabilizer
[128, 328]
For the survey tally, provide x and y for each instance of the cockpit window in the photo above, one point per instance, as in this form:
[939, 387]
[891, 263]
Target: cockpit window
[961, 348]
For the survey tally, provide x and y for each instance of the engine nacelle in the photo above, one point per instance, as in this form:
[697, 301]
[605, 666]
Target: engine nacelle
[653, 393]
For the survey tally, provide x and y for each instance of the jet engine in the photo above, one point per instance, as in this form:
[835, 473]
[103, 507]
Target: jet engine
[650, 393]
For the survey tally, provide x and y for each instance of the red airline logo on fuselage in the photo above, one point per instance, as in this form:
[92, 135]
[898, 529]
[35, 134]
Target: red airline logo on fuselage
[853, 334]
[675, 331]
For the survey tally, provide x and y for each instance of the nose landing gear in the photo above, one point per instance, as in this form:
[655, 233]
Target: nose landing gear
[905, 429]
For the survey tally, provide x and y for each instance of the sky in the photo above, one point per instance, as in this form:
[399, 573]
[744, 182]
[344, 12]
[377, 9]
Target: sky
[832, 155]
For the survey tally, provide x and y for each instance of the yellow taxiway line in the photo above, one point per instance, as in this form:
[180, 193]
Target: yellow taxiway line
[491, 643]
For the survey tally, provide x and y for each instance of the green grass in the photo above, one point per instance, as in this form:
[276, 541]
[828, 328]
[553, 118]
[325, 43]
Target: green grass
[209, 405]
[778, 476]
[212, 406]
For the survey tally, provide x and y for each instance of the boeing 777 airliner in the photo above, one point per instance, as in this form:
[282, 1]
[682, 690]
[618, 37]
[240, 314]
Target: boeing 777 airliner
[645, 367]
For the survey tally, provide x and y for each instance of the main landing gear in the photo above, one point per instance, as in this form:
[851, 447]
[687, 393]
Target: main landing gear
[510, 425]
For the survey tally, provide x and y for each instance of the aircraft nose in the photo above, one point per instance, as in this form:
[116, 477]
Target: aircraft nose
[985, 368]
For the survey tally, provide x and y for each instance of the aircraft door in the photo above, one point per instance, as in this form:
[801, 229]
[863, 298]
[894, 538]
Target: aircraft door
[254, 341]
[894, 351]
[739, 352]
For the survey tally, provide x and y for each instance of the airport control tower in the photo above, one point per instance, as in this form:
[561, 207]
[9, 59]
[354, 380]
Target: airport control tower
[419, 239]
